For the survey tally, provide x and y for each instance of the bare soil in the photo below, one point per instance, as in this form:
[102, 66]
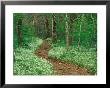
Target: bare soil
[60, 67]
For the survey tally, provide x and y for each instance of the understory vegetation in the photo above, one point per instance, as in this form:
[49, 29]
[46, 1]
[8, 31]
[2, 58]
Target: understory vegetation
[86, 58]
[27, 63]
[72, 38]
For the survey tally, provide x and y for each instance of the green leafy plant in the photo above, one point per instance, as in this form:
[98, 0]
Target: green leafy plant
[57, 52]
[86, 58]
[26, 63]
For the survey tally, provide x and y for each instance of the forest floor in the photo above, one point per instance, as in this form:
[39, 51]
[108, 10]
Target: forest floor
[60, 67]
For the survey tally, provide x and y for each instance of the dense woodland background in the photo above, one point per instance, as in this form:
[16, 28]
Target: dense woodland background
[72, 36]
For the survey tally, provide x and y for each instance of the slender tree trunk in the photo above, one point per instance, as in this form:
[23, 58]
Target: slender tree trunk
[79, 40]
[71, 31]
[52, 28]
[47, 26]
[19, 32]
[93, 22]
[20, 37]
[79, 37]
[54, 37]
[33, 23]
[94, 30]
[67, 32]
[37, 25]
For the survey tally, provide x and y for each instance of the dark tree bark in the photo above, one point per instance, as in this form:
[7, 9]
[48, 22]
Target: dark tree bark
[36, 24]
[47, 26]
[54, 36]
[71, 38]
[19, 32]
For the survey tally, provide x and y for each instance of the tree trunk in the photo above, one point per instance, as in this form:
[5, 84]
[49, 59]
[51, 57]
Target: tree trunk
[79, 41]
[19, 32]
[52, 27]
[54, 37]
[94, 31]
[71, 40]
[37, 25]
[47, 26]
[67, 32]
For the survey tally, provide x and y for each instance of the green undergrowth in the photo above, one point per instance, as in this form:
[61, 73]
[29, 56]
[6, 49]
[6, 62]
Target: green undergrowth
[27, 63]
[32, 43]
[84, 58]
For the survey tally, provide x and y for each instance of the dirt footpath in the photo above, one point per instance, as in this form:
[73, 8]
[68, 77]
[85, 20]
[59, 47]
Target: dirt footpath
[60, 67]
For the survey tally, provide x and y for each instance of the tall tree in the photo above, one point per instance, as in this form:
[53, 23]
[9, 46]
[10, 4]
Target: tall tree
[35, 23]
[67, 31]
[93, 29]
[47, 26]
[80, 28]
[19, 31]
[54, 36]
[71, 28]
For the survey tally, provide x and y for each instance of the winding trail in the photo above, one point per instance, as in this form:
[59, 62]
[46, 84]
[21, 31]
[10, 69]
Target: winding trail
[60, 67]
